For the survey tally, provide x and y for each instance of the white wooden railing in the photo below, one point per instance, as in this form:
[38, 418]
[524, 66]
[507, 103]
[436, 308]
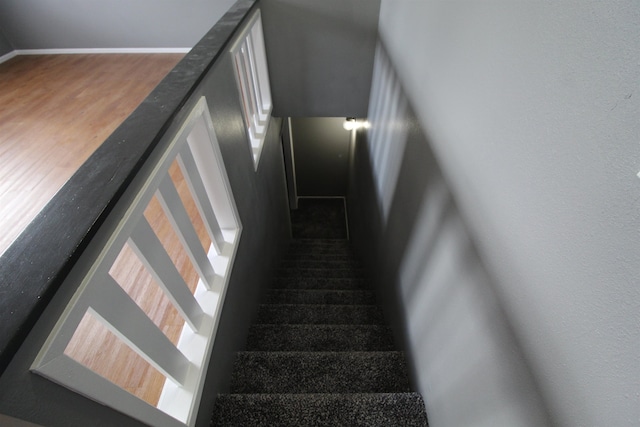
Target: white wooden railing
[252, 77]
[101, 297]
[118, 311]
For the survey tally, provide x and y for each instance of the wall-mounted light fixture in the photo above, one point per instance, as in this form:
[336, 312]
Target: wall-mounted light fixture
[351, 123]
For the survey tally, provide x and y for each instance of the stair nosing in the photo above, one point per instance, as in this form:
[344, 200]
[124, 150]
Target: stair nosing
[332, 305]
[355, 394]
[317, 353]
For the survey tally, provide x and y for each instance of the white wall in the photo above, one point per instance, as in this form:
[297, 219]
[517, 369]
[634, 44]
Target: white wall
[68, 24]
[533, 112]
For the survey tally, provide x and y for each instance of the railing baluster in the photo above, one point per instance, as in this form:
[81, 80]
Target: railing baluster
[263, 113]
[145, 243]
[170, 199]
[199, 192]
[261, 57]
[247, 78]
[127, 321]
[244, 88]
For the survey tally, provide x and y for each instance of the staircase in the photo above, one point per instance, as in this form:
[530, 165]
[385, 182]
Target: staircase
[319, 352]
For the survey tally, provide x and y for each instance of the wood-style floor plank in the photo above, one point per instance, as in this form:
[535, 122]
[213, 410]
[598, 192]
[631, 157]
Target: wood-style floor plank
[55, 110]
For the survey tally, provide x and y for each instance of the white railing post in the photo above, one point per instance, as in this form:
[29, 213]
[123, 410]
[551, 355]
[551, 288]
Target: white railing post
[148, 247]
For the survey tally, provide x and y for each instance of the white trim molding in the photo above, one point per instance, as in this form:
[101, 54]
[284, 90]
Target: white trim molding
[108, 50]
[93, 51]
[8, 56]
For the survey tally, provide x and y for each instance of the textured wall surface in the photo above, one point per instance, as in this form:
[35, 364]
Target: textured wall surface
[320, 55]
[531, 109]
[68, 24]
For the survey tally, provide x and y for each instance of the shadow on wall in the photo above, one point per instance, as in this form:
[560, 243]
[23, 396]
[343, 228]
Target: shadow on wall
[436, 293]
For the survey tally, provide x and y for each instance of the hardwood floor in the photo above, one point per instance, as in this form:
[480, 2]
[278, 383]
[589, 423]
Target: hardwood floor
[54, 112]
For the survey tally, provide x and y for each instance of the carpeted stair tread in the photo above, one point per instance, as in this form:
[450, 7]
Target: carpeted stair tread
[339, 263]
[306, 242]
[304, 256]
[319, 372]
[338, 283]
[320, 314]
[310, 253]
[306, 410]
[319, 251]
[319, 218]
[318, 296]
[320, 338]
[319, 352]
[320, 245]
[321, 272]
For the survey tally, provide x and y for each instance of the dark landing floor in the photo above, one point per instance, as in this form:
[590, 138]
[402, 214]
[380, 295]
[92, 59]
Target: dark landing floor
[321, 218]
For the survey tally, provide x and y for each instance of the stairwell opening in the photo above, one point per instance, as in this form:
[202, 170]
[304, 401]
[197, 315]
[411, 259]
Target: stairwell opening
[319, 351]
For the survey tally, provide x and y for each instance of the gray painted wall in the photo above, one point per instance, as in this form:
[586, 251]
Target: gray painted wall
[433, 286]
[321, 150]
[289, 163]
[5, 45]
[320, 55]
[67, 24]
[261, 199]
[531, 109]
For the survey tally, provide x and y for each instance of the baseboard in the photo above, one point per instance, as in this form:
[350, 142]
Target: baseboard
[101, 51]
[8, 56]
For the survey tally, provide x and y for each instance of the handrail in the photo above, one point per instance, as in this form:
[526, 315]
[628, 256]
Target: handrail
[35, 265]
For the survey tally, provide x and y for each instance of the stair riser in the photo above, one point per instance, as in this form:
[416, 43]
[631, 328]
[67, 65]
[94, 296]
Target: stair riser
[320, 338]
[339, 264]
[286, 410]
[319, 247]
[320, 314]
[281, 296]
[350, 273]
[311, 241]
[303, 256]
[292, 372]
[326, 283]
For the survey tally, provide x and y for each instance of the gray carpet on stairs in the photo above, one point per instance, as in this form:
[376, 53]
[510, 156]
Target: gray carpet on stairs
[319, 372]
[319, 296]
[319, 283]
[319, 352]
[320, 338]
[335, 273]
[319, 218]
[320, 314]
[329, 409]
